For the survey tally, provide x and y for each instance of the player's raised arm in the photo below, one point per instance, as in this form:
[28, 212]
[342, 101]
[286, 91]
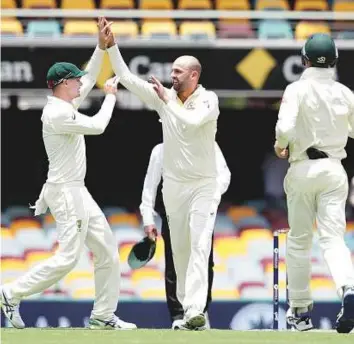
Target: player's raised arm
[136, 85]
[93, 67]
[74, 122]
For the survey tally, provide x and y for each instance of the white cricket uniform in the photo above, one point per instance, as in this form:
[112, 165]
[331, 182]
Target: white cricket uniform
[190, 191]
[154, 175]
[78, 218]
[318, 112]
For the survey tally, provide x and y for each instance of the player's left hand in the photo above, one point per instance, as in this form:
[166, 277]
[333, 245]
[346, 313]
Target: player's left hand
[281, 153]
[159, 89]
[103, 31]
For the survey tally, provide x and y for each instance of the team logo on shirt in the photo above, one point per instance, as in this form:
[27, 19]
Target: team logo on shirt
[190, 106]
[74, 117]
[207, 104]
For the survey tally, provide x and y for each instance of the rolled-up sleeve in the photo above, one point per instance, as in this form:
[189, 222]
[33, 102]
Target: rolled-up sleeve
[151, 182]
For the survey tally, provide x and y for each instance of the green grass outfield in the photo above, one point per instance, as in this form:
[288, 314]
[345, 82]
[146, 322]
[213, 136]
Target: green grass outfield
[84, 336]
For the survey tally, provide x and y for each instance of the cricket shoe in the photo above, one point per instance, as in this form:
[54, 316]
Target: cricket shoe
[114, 324]
[299, 321]
[178, 324]
[345, 318]
[11, 310]
[194, 321]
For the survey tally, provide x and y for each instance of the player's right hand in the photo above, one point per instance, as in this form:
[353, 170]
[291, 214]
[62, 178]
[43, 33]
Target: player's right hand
[151, 232]
[111, 85]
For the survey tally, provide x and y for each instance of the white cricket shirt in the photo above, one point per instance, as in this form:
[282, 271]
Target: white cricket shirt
[188, 129]
[154, 174]
[64, 128]
[316, 111]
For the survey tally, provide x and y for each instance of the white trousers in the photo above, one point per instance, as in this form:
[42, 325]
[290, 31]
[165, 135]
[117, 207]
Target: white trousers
[79, 221]
[316, 194]
[191, 210]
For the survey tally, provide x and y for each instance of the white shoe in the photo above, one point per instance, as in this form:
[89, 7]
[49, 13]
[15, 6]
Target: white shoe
[345, 318]
[207, 321]
[114, 324]
[11, 310]
[300, 321]
[178, 324]
[194, 321]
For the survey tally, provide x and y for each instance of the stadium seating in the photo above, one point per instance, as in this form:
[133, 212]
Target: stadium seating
[272, 5]
[125, 29]
[8, 4]
[80, 28]
[339, 6]
[47, 28]
[197, 30]
[232, 5]
[117, 4]
[313, 5]
[159, 29]
[195, 4]
[305, 29]
[243, 259]
[271, 29]
[156, 4]
[39, 4]
[78, 5]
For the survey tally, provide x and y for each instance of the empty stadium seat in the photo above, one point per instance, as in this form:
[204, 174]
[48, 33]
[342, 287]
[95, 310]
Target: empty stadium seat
[78, 5]
[124, 29]
[17, 210]
[232, 5]
[108, 211]
[128, 219]
[8, 4]
[39, 4]
[80, 28]
[159, 29]
[197, 30]
[24, 223]
[235, 29]
[238, 212]
[272, 5]
[229, 246]
[122, 4]
[312, 5]
[305, 29]
[195, 4]
[43, 28]
[156, 4]
[257, 221]
[347, 6]
[33, 239]
[10, 247]
[275, 29]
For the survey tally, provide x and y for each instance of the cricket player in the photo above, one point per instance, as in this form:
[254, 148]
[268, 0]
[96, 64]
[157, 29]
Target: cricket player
[149, 200]
[191, 193]
[79, 219]
[314, 123]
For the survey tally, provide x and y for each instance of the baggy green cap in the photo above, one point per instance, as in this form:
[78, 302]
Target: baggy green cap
[61, 71]
[320, 50]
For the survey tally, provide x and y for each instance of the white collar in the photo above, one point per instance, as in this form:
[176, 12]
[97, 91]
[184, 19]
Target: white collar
[196, 92]
[54, 99]
[318, 73]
